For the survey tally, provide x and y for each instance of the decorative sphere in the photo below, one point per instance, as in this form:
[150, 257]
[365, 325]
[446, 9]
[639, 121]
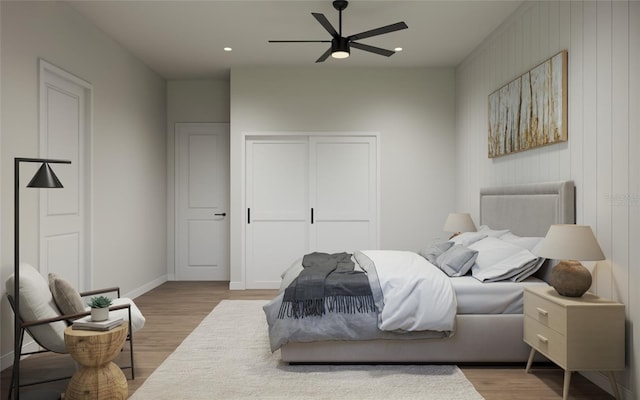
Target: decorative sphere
[570, 278]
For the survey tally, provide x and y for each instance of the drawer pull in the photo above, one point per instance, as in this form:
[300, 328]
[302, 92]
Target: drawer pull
[542, 338]
[542, 311]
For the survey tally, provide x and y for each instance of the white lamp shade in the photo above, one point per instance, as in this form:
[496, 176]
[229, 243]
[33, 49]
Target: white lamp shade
[570, 242]
[459, 222]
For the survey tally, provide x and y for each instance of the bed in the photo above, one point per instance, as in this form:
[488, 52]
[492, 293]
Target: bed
[492, 334]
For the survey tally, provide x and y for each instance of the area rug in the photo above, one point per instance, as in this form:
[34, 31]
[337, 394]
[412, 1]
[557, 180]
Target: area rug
[227, 357]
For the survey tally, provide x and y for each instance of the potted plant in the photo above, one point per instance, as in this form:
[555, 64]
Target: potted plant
[99, 308]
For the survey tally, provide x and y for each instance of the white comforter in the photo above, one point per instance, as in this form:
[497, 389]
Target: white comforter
[417, 296]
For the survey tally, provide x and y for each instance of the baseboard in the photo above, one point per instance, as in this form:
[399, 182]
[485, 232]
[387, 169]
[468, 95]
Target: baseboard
[236, 285]
[6, 360]
[146, 287]
[602, 381]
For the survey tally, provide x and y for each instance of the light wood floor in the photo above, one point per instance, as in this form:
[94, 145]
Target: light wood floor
[174, 309]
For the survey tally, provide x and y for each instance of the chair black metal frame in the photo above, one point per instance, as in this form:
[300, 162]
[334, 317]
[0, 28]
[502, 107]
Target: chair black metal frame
[25, 325]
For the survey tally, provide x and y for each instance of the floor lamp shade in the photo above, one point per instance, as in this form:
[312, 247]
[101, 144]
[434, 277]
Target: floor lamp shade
[570, 244]
[44, 178]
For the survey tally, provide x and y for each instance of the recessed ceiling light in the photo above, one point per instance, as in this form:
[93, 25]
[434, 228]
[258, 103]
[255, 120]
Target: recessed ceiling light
[398, 49]
[228, 49]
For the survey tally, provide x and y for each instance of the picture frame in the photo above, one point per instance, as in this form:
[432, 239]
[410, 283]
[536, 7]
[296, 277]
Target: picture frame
[531, 110]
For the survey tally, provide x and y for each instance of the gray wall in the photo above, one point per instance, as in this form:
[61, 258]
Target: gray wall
[129, 153]
[412, 109]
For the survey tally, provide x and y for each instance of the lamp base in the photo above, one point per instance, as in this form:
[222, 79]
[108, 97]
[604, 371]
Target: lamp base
[570, 278]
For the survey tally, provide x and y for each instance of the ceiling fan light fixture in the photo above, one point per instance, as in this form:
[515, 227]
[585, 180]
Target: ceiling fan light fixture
[340, 54]
[340, 48]
[340, 45]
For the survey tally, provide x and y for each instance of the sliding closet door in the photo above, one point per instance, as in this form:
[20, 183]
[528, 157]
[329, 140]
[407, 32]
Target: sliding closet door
[307, 194]
[277, 230]
[343, 193]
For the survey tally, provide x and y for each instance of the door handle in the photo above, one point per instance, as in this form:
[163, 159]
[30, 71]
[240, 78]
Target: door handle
[220, 214]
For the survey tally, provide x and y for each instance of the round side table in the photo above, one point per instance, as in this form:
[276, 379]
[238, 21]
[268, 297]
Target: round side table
[99, 377]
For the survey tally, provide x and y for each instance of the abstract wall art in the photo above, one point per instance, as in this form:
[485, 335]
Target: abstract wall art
[531, 110]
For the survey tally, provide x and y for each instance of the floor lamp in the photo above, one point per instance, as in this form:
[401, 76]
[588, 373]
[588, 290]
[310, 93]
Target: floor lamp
[44, 178]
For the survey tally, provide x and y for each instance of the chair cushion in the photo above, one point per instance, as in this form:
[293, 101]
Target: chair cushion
[36, 302]
[65, 295]
[137, 319]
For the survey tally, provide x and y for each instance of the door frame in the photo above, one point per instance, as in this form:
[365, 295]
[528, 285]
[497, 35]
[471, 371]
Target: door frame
[238, 209]
[44, 68]
[178, 127]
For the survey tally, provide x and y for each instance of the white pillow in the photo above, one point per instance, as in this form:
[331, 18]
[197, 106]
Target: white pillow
[492, 232]
[500, 260]
[467, 238]
[511, 268]
[526, 242]
[492, 250]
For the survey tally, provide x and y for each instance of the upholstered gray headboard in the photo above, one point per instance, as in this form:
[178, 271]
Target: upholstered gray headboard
[528, 210]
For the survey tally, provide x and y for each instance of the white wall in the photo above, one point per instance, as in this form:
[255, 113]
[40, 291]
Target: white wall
[603, 42]
[128, 145]
[197, 100]
[412, 109]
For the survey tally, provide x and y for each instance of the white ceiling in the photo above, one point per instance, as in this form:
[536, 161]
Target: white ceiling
[182, 39]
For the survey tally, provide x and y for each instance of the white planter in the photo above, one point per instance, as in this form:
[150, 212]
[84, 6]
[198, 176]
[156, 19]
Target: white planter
[99, 314]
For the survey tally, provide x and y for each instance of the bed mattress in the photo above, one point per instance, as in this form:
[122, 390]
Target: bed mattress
[475, 297]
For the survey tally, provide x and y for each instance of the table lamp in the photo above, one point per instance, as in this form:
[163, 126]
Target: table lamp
[458, 223]
[570, 244]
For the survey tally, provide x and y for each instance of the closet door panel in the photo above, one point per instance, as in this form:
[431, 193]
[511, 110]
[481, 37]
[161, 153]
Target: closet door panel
[339, 236]
[279, 180]
[343, 193]
[277, 209]
[277, 244]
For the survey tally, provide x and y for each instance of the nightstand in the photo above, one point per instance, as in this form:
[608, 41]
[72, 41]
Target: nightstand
[576, 333]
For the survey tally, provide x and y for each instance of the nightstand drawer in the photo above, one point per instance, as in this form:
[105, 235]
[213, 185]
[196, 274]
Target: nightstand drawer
[545, 340]
[545, 312]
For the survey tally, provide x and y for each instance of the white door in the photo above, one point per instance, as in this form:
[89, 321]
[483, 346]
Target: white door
[202, 201]
[64, 131]
[343, 193]
[278, 213]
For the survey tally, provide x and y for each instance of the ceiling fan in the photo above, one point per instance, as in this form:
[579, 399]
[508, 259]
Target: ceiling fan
[340, 45]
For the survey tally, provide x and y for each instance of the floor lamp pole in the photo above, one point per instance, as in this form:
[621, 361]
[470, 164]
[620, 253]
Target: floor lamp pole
[44, 178]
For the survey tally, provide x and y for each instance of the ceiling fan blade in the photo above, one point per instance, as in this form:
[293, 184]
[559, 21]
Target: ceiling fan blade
[326, 24]
[379, 31]
[372, 49]
[324, 56]
[299, 41]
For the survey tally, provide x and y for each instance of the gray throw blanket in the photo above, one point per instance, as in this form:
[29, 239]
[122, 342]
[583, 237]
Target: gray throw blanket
[328, 283]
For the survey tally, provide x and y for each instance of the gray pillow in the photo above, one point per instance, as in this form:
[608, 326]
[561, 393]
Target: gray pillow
[457, 261]
[65, 296]
[432, 252]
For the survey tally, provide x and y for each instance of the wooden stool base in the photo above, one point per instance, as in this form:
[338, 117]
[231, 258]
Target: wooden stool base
[106, 382]
[98, 378]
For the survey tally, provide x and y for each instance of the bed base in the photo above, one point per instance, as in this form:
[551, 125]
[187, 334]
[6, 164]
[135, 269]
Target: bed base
[478, 339]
